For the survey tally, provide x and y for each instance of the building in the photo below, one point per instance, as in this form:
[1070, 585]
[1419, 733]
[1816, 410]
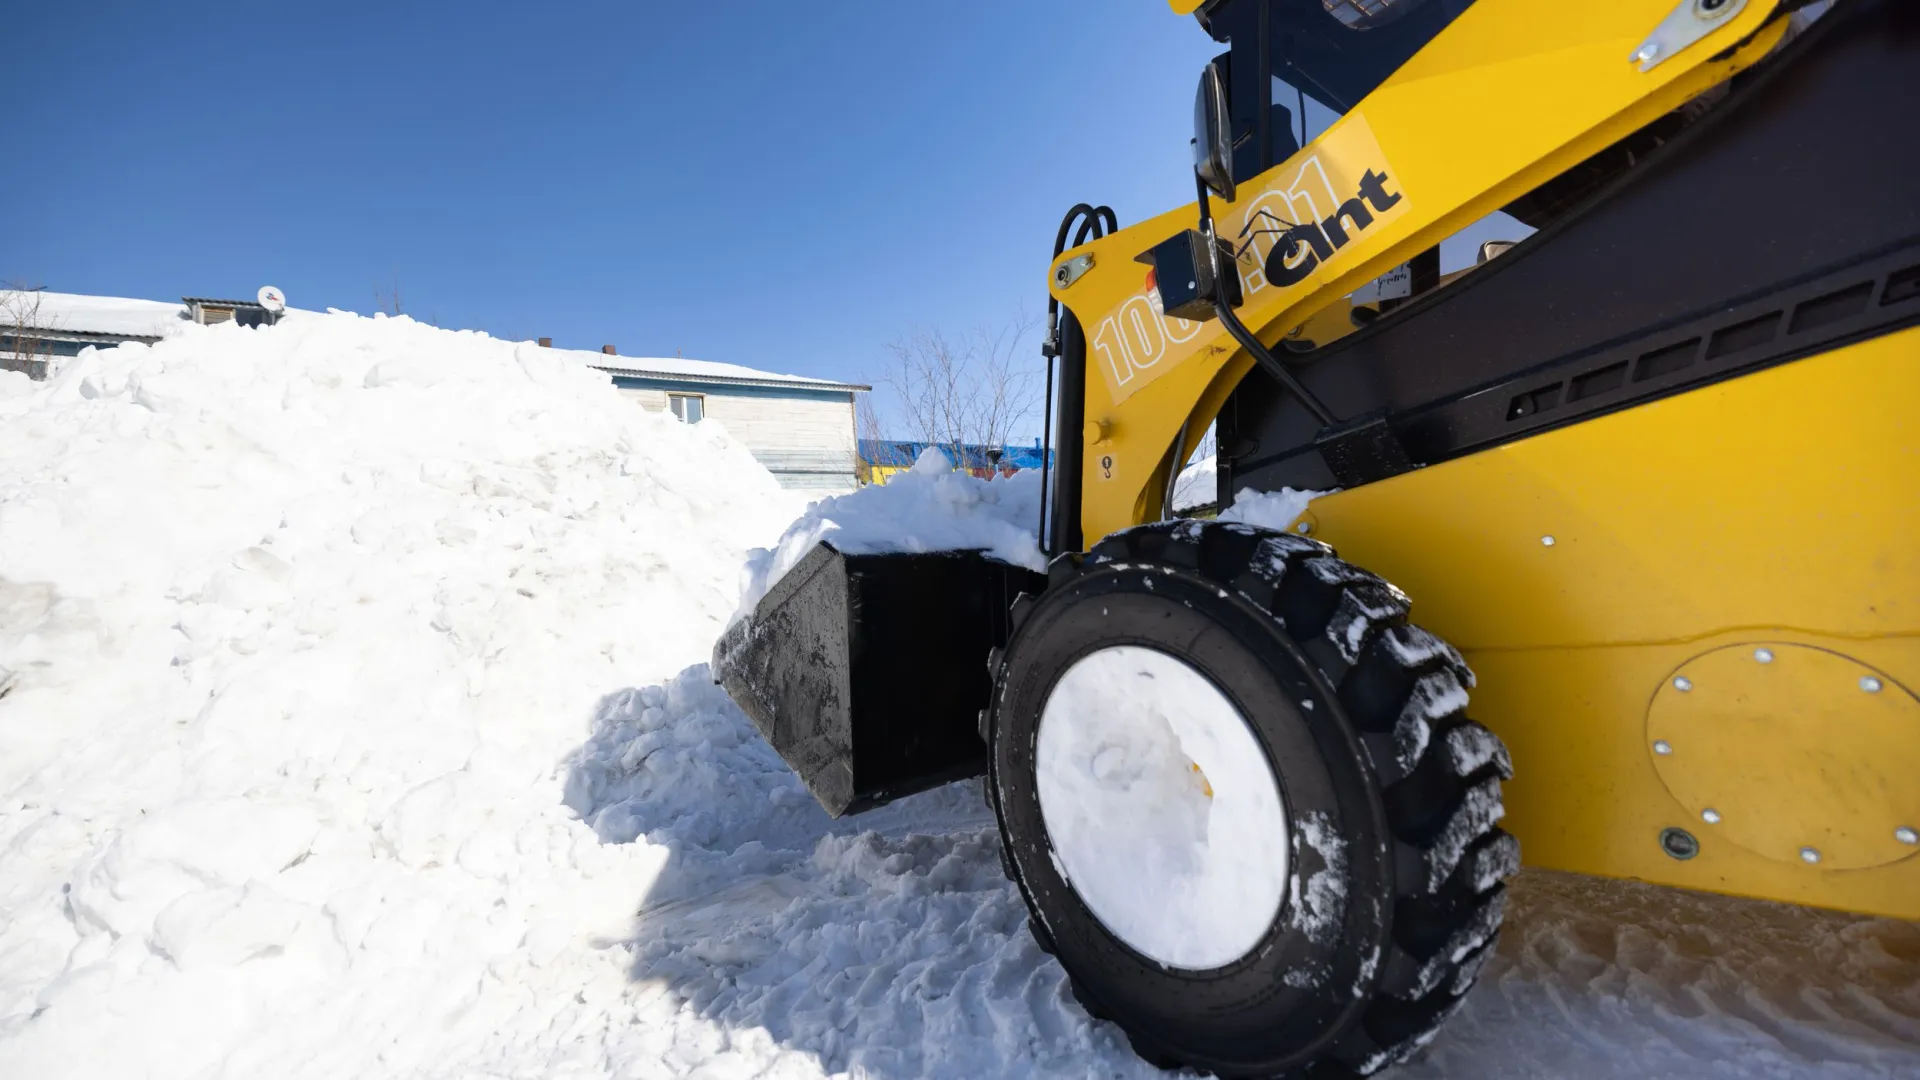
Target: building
[880, 459]
[801, 429]
[36, 325]
[207, 311]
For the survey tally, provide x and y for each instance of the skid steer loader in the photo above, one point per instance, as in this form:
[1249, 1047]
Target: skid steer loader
[1653, 474]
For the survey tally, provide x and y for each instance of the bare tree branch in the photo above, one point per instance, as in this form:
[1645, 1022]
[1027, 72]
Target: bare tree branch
[388, 299]
[27, 348]
[964, 395]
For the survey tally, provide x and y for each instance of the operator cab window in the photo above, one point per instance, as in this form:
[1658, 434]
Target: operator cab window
[690, 408]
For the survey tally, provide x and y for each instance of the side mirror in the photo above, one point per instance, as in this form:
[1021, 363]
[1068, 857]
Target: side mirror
[1212, 140]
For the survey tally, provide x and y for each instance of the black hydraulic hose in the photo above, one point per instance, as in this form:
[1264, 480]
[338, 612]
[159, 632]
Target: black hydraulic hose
[1046, 454]
[1094, 223]
[1073, 416]
[1239, 330]
[1269, 362]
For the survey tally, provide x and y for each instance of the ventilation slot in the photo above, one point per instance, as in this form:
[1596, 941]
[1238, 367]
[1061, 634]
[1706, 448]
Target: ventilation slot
[1831, 308]
[1901, 285]
[1611, 377]
[1742, 336]
[1534, 401]
[1660, 363]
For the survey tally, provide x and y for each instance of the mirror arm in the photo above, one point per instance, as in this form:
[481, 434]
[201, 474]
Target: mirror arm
[1239, 330]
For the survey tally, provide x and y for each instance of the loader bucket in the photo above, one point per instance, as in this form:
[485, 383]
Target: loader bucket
[868, 672]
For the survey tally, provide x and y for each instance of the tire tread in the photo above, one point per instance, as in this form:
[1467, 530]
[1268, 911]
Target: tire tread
[1407, 687]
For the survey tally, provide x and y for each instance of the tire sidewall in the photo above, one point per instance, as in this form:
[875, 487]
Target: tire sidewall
[1310, 973]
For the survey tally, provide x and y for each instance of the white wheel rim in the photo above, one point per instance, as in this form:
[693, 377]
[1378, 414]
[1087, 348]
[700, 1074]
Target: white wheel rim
[1131, 742]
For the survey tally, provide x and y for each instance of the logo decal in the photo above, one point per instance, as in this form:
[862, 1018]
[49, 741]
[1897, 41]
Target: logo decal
[1302, 220]
[1303, 247]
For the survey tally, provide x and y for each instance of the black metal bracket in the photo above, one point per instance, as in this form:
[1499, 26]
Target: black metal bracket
[1363, 450]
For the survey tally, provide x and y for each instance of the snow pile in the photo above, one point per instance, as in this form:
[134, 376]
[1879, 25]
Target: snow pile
[1197, 485]
[1269, 509]
[930, 507]
[302, 625]
[352, 724]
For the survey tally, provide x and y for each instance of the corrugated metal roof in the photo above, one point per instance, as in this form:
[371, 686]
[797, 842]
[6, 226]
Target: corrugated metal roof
[101, 337]
[210, 301]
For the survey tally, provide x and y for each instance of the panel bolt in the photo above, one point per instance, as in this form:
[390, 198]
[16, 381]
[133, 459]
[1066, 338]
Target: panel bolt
[1710, 816]
[1765, 656]
[1303, 527]
[1906, 836]
[1682, 683]
[1662, 747]
[1870, 684]
[1546, 541]
[1809, 855]
[1646, 53]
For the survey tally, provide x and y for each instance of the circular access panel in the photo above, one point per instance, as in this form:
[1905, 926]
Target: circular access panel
[1161, 809]
[1786, 749]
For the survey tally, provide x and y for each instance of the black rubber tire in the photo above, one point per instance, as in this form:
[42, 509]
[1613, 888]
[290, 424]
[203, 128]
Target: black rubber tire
[1363, 719]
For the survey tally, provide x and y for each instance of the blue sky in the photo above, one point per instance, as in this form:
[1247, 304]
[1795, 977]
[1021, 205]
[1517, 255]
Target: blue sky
[783, 185]
[787, 186]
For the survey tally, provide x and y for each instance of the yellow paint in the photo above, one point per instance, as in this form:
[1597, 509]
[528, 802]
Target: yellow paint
[1509, 95]
[1778, 507]
[1735, 728]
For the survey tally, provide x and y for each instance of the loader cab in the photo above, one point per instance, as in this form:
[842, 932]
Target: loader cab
[1332, 51]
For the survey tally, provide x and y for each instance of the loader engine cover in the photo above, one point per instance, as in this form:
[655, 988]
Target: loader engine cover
[868, 673]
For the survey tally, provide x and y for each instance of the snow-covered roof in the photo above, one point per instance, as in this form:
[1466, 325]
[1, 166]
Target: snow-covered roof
[680, 369]
[119, 316]
[81, 317]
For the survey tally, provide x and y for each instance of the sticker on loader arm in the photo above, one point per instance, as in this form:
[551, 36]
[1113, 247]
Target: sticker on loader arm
[1307, 215]
[1106, 466]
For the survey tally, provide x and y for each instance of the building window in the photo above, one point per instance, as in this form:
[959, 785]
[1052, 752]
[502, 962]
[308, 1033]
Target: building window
[688, 407]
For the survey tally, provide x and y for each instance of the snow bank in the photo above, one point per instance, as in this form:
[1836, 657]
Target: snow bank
[930, 507]
[1197, 485]
[302, 625]
[352, 725]
[1269, 509]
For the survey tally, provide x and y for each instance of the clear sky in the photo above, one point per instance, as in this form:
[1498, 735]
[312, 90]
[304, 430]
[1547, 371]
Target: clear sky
[782, 185]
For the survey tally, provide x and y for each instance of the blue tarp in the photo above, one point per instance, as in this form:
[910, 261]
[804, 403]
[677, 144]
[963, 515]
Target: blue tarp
[903, 452]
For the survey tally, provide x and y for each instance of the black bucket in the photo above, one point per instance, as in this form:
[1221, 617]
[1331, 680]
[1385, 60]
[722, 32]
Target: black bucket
[868, 672]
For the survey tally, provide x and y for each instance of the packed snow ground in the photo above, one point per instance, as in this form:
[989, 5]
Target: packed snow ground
[354, 724]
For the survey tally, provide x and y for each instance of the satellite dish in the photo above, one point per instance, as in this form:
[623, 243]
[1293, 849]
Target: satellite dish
[272, 299]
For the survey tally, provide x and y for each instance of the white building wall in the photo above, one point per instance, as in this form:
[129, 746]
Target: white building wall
[807, 442]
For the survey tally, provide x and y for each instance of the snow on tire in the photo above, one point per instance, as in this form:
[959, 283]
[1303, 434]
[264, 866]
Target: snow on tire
[1146, 705]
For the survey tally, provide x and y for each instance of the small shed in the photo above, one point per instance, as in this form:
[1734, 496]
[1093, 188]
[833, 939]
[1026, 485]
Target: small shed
[800, 428]
[208, 311]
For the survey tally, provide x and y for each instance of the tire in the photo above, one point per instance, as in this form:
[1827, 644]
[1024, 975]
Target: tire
[1361, 717]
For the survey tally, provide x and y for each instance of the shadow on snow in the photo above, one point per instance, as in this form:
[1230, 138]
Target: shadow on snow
[891, 946]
